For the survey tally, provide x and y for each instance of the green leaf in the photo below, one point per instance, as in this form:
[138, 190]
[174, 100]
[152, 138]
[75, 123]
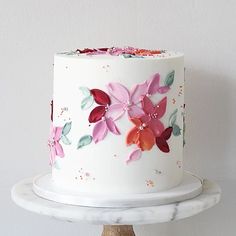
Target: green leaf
[65, 140]
[66, 129]
[85, 91]
[87, 102]
[173, 117]
[170, 78]
[176, 130]
[84, 140]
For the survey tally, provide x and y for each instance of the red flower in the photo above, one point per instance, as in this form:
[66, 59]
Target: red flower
[153, 113]
[86, 50]
[103, 100]
[161, 141]
[140, 135]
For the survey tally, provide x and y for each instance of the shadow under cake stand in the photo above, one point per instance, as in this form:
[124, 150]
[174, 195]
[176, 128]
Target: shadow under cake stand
[117, 221]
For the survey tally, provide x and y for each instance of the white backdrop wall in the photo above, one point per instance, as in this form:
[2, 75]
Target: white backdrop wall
[32, 30]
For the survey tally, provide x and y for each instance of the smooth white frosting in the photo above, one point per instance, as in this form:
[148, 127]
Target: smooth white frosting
[101, 168]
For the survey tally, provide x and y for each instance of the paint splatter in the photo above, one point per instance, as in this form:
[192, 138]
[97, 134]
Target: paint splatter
[150, 183]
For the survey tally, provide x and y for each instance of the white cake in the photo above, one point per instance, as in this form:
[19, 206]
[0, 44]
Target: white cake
[117, 120]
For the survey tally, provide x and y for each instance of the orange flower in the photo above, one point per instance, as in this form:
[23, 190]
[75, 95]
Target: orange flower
[145, 52]
[140, 135]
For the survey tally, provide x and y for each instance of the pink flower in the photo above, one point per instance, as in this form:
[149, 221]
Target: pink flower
[54, 145]
[125, 100]
[153, 113]
[102, 127]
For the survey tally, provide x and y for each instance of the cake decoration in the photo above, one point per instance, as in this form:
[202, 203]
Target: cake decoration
[88, 100]
[161, 141]
[172, 122]
[150, 183]
[66, 129]
[126, 52]
[84, 140]
[106, 93]
[54, 145]
[145, 115]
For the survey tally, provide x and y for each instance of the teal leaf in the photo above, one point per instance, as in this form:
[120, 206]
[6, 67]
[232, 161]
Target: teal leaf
[170, 78]
[173, 117]
[66, 129]
[84, 140]
[57, 166]
[65, 140]
[85, 91]
[87, 102]
[176, 130]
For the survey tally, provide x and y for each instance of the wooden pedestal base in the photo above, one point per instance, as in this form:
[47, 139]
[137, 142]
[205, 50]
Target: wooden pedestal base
[118, 230]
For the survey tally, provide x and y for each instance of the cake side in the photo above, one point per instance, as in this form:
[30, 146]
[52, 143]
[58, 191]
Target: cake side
[127, 138]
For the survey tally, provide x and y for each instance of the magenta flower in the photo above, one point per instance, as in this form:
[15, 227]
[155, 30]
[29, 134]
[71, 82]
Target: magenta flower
[153, 114]
[54, 145]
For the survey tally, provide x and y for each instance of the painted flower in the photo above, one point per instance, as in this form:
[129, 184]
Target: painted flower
[161, 141]
[125, 100]
[153, 114]
[146, 52]
[141, 135]
[128, 101]
[92, 51]
[99, 115]
[103, 100]
[54, 145]
[102, 127]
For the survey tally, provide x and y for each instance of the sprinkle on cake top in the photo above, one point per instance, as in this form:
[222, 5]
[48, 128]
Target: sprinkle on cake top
[126, 52]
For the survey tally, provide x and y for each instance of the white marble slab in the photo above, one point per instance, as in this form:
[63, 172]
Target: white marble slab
[190, 187]
[23, 196]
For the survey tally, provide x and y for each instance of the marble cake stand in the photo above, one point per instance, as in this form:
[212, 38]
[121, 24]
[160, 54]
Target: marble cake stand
[116, 221]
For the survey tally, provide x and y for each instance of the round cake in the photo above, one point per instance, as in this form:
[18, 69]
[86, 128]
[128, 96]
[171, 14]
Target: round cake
[117, 120]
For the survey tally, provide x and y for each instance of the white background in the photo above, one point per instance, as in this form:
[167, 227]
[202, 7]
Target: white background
[31, 31]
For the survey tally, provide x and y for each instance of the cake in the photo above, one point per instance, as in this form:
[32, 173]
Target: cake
[117, 120]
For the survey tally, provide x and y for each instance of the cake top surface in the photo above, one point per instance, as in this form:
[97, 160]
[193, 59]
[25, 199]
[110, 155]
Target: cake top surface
[117, 52]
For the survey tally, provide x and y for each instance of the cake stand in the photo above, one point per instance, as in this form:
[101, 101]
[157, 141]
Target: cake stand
[116, 221]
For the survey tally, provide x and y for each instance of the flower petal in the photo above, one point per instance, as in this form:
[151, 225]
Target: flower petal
[136, 121]
[167, 133]
[147, 105]
[153, 85]
[156, 126]
[163, 89]
[115, 111]
[118, 92]
[52, 155]
[58, 132]
[160, 108]
[96, 114]
[133, 136]
[138, 91]
[100, 97]
[134, 155]
[146, 139]
[112, 126]
[162, 144]
[145, 119]
[100, 131]
[59, 149]
[135, 111]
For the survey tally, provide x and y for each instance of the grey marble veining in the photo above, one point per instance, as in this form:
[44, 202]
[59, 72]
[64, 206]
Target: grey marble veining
[23, 196]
